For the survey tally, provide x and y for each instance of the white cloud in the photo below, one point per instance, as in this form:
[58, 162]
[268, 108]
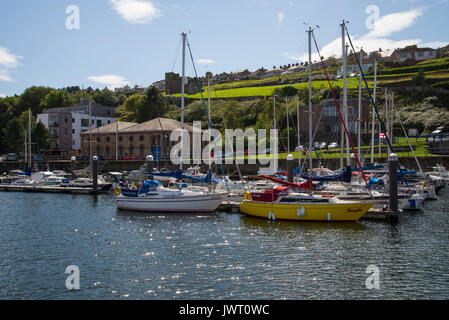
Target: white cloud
[434, 44]
[2, 95]
[112, 81]
[136, 11]
[375, 39]
[8, 61]
[205, 61]
[281, 16]
[394, 22]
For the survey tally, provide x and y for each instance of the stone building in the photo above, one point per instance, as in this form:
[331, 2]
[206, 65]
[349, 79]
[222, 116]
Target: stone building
[173, 82]
[132, 140]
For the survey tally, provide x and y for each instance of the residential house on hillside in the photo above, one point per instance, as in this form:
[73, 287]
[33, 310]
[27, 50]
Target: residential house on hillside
[258, 74]
[442, 51]
[275, 72]
[240, 75]
[413, 54]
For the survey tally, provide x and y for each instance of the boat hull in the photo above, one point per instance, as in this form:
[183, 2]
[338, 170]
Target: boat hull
[306, 212]
[188, 204]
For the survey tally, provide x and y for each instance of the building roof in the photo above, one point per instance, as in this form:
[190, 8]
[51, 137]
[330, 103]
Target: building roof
[155, 125]
[158, 124]
[111, 128]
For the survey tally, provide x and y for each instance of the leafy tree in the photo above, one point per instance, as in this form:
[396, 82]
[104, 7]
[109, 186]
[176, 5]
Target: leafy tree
[32, 98]
[129, 109]
[420, 78]
[42, 136]
[154, 105]
[57, 99]
[287, 91]
[106, 97]
[14, 134]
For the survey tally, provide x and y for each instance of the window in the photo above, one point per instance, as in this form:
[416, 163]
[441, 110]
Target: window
[109, 122]
[108, 139]
[98, 139]
[120, 139]
[142, 151]
[73, 131]
[141, 138]
[131, 139]
[66, 120]
[98, 123]
[420, 54]
[85, 123]
[73, 120]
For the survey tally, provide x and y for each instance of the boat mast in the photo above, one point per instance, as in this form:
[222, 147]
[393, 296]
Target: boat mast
[310, 101]
[29, 138]
[90, 138]
[345, 88]
[26, 146]
[299, 135]
[288, 125]
[359, 120]
[208, 91]
[274, 113]
[184, 36]
[116, 141]
[387, 110]
[373, 127]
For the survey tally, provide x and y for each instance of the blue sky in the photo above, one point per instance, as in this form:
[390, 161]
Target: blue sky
[136, 41]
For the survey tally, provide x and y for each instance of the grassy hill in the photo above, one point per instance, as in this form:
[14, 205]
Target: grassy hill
[436, 73]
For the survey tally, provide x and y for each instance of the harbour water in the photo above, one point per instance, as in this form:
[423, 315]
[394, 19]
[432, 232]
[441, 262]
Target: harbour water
[125, 255]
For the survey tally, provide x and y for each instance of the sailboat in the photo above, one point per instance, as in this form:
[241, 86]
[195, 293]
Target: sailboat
[282, 204]
[153, 197]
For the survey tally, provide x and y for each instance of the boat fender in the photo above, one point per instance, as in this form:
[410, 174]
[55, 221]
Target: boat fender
[301, 212]
[271, 216]
[117, 191]
[329, 217]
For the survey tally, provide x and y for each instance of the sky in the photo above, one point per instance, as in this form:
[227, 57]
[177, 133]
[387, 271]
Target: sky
[112, 43]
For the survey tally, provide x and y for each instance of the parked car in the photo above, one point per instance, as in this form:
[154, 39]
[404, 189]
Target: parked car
[333, 145]
[323, 146]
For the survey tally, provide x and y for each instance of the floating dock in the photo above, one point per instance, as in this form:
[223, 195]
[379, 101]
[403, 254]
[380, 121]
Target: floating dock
[50, 189]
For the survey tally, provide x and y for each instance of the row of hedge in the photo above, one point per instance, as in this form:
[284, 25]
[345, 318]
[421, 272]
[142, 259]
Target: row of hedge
[413, 69]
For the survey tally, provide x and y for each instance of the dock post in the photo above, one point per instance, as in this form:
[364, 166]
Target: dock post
[290, 167]
[95, 172]
[150, 165]
[393, 164]
[353, 161]
[73, 167]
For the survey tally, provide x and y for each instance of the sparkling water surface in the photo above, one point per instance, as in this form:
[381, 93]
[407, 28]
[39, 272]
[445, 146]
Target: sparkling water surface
[126, 255]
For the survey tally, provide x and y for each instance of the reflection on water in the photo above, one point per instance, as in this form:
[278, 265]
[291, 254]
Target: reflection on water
[129, 255]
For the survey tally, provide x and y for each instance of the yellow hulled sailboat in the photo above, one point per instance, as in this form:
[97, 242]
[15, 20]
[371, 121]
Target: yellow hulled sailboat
[304, 207]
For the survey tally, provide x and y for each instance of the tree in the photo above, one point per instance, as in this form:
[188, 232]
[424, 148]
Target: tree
[57, 99]
[129, 109]
[420, 78]
[154, 105]
[32, 98]
[106, 97]
[287, 91]
[42, 136]
[14, 135]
